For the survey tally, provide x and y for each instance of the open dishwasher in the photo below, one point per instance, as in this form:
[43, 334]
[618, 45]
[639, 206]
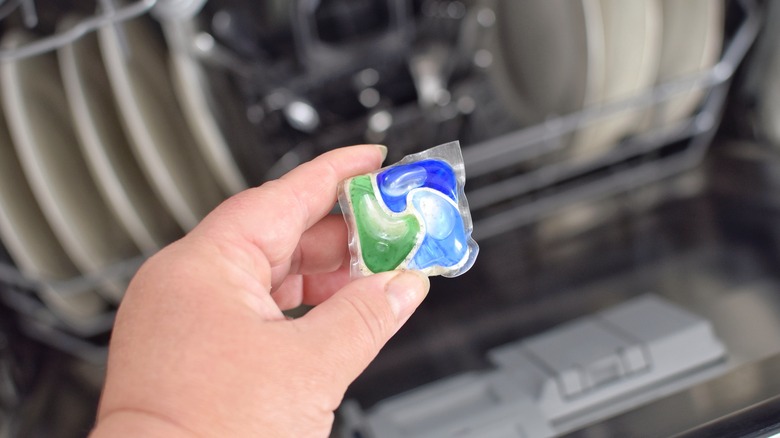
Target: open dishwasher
[621, 159]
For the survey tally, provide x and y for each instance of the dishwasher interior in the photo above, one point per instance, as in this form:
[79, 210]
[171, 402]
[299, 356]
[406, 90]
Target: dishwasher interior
[621, 160]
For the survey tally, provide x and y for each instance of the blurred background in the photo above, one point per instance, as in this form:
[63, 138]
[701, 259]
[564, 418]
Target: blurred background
[623, 162]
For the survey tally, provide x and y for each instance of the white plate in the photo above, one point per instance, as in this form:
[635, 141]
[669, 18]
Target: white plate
[106, 149]
[40, 126]
[193, 91]
[547, 56]
[765, 72]
[32, 245]
[692, 41]
[632, 37]
[154, 123]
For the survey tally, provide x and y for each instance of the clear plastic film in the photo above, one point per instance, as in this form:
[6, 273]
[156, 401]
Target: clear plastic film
[411, 215]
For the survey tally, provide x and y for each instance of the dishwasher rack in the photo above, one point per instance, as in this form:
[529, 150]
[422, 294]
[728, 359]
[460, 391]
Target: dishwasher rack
[111, 14]
[632, 164]
[499, 206]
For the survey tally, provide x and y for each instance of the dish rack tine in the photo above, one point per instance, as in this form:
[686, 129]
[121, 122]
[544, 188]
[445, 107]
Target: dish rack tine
[57, 40]
[29, 14]
[109, 6]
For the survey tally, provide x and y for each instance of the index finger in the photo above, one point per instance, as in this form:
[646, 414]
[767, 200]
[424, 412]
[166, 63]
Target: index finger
[274, 216]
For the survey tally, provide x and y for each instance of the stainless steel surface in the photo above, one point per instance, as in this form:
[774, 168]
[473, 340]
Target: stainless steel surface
[577, 373]
[747, 320]
[724, 285]
[742, 388]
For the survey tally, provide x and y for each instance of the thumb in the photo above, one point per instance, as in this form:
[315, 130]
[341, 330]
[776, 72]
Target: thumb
[352, 326]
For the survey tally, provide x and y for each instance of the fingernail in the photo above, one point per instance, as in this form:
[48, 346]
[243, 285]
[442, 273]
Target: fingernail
[405, 292]
[383, 151]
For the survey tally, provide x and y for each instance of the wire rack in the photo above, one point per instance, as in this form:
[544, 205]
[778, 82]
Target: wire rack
[633, 163]
[19, 291]
[512, 202]
[110, 14]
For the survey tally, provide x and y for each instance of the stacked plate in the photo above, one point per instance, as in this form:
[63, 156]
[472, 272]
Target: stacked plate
[763, 82]
[102, 160]
[556, 57]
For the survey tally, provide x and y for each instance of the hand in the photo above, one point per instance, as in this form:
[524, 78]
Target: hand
[201, 347]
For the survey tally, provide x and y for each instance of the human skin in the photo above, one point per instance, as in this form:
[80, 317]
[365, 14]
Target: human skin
[200, 345]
